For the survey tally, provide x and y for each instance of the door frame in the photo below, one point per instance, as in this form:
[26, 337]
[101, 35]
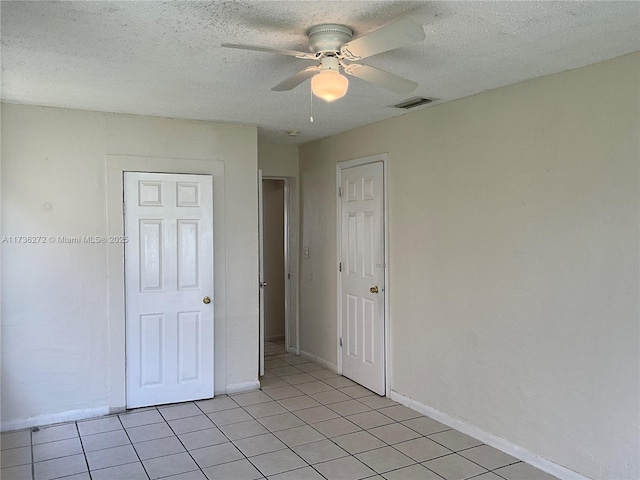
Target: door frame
[291, 274]
[381, 157]
[116, 165]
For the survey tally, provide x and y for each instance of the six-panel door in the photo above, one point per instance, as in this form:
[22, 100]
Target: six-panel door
[168, 274]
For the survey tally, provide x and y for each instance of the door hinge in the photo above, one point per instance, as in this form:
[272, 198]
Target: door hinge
[289, 276]
[340, 266]
[340, 341]
[340, 192]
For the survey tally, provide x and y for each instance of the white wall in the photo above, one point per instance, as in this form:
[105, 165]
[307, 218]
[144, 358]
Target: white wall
[62, 310]
[514, 234]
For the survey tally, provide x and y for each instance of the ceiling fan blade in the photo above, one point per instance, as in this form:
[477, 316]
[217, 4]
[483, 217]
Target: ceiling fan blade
[381, 78]
[295, 80]
[291, 53]
[396, 35]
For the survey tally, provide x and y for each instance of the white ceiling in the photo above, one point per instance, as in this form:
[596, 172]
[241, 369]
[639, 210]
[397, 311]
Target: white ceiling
[164, 58]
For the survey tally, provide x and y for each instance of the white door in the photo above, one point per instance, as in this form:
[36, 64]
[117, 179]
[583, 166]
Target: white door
[261, 283]
[168, 287]
[362, 277]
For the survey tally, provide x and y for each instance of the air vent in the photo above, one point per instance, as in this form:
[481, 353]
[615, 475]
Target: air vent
[414, 102]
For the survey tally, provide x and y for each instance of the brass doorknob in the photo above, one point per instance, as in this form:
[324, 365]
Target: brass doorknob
[374, 289]
[206, 300]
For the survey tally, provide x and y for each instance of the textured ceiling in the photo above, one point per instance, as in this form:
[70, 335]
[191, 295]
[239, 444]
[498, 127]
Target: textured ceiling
[164, 58]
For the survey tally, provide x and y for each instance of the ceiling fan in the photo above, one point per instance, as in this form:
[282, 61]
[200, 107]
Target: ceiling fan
[332, 46]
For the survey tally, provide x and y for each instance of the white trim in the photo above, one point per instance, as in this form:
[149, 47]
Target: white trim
[242, 387]
[384, 158]
[490, 439]
[319, 361]
[53, 418]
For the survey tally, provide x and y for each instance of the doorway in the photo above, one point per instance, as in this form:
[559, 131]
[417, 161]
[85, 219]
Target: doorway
[278, 265]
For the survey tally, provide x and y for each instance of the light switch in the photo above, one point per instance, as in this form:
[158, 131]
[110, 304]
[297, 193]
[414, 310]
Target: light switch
[306, 252]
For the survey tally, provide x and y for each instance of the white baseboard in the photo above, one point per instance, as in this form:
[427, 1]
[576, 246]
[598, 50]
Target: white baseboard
[320, 361]
[242, 387]
[490, 439]
[52, 418]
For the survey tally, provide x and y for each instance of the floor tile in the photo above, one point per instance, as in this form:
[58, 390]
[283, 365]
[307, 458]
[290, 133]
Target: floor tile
[281, 422]
[393, 433]
[296, 360]
[216, 404]
[59, 467]
[375, 402]
[251, 398]
[130, 471]
[21, 472]
[111, 457]
[54, 433]
[347, 468]
[339, 382]
[425, 425]
[100, 425]
[321, 451]
[299, 435]
[15, 457]
[250, 428]
[356, 391]
[358, 442]
[158, 447]
[384, 459]
[520, 471]
[298, 403]
[265, 409]
[399, 412]
[330, 396]
[284, 371]
[60, 448]
[310, 367]
[322, 373]
[225, 417]
[267, 383]
[137, 419]
[175, 412]
[202, 438]
[336, 426]
[314, 387]
[306, 473]
[488, 476]
[299, 378]
[76, 476]
[316, 414]
[422, 449]
[195, 475]
[149, 432]
[412, 472]
[455, 440]
[99, 441]
[169, 465]
[238, 470]
[283, 392]
[277, 462]
[370, 419]
[20, 438]
[454, 467]
[489, 457]
[349, 407]
[274, 363]
[216, 454]
[259, 444]
[191, 424]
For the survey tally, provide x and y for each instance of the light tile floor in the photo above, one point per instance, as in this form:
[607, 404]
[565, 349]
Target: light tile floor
[305, 423]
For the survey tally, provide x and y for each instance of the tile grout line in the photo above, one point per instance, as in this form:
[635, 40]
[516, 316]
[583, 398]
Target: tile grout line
[131, 443]
[84, 454]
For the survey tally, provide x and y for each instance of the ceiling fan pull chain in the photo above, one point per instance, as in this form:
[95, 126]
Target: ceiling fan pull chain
[311, 103]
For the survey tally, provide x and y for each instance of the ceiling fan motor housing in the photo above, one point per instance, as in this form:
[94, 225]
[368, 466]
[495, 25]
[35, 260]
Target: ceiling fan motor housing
[328, 37]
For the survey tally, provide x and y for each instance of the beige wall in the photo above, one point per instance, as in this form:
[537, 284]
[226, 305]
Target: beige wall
[514, 234]
[273, 208]
[278, 160]
[62, 306]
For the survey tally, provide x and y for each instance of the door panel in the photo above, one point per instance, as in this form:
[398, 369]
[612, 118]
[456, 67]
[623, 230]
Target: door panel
[168, 272]
[362, 247]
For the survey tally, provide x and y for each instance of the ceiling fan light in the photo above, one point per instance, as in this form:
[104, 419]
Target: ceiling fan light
[329, 85]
